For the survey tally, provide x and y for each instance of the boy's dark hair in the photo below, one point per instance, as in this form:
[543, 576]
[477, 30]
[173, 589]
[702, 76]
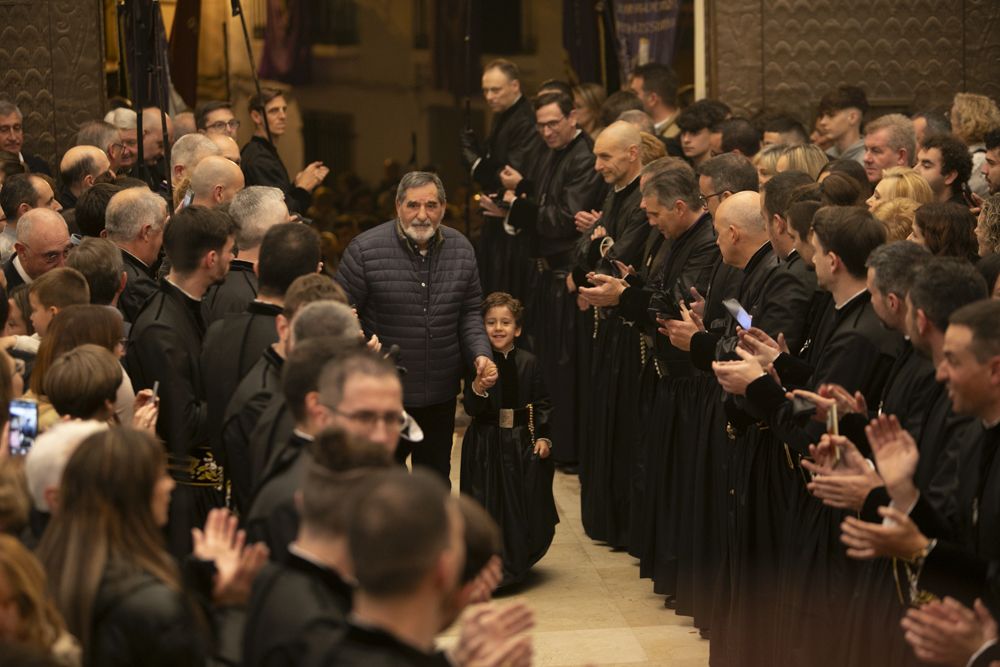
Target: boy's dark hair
[289, 250]
[702, 115]
[17, 189]
[59, 288]
[194, 232]
[503, 300]
[100, 261]
[784, 124]
[80, 381]
[92, 206]
[739, 134]
[843, 97]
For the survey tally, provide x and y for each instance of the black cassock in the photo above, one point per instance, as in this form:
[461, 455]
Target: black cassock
[608, 422]
[365, 645]
[232, 346]
[262, 165]
[232, 295]
[499, 467]
[248, 402]
[273, 517]
[873, 636]
[165, 346]
[567, 184]
[139, 286]
[815, 578]
[676, 390]
[504, 258]
[776, 294]
[287, 598]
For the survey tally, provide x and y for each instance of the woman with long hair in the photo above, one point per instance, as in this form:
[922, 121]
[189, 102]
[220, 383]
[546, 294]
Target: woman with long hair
[972, 116]
[901, 182]
[117, 587]
[988, 226]
[27, 612]
[947, 230]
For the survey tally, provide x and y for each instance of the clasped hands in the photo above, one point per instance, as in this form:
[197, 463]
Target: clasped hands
[486, 375]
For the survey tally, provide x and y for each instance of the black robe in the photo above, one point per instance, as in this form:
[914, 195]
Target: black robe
[248, 402]
[288, 597]
[165, 346]
[499, 467]
[365, 645]
[262, 165]
[608, 422]
[273, 517]
[232, 346]
[233, 295]
[568, 184]
[139, 286]
[815, 577]
[513, 141]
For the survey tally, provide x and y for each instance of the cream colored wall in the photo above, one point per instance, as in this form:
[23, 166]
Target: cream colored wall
[383, 83]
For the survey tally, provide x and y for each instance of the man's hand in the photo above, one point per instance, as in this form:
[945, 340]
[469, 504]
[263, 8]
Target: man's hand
[846, 402]
[585, 220]
[625, 269]
[146, 410]
[486, 375]
[510, 177]
[842, 481]
[470, 147]
[311, 176]
[486, 581]
[763, 347]
[896, 456]
[681, 331]
[735, 376]
[490, 208]
[897, 538]
[495, 636]
[607, 290]
[698, 304]
[599, 233]
[236, 565]
[947, 632]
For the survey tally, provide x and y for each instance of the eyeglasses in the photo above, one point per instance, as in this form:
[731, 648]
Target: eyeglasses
[704, 198]
[370, 419]
[551, 125]
[221, 125]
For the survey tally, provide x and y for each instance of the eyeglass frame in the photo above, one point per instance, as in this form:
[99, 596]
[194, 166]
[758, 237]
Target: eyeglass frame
[704, 198]
[371, 419]
[219, 125]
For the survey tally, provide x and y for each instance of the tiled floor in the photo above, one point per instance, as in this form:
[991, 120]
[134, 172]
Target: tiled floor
[590, 606]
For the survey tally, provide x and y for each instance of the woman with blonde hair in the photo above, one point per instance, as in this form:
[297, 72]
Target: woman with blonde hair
[806, 158]
[587, 100]
[901, 182]
[766, 162]
[27, 613]
[651, 148]
[988, 227]
[897, 215]
[972, 116]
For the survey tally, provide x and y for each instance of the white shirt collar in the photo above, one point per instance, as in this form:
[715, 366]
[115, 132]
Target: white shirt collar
[24, 276]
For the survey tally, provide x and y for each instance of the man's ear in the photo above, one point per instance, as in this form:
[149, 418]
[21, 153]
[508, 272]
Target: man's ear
[217, 193]
[51, 495]
[922, 323]
[950, 178]
[256, 117]
[282, 325]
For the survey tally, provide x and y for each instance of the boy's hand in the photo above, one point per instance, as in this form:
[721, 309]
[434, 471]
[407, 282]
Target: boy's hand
[543, 447]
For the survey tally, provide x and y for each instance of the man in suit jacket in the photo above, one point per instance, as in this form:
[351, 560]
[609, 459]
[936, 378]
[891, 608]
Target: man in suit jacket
[42, 245]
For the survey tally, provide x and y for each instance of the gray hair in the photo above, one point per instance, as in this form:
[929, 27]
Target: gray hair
[256, 209]
[7, 108]
[97, 133]
[191, 149]
[896, 266]
[638, 118]
[26, 222]
[324, 318]
[131, 209]
[123, 119]
[418, 179]
[900, 131]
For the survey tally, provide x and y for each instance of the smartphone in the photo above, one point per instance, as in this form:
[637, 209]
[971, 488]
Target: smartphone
[156, 390]
[738, 313]
[23, 426]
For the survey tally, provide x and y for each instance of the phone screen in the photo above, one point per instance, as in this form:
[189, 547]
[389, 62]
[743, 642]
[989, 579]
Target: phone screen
[737, 311]
[23, 426]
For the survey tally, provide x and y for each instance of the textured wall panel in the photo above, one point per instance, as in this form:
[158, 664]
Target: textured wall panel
[51, 64]
[785, 54]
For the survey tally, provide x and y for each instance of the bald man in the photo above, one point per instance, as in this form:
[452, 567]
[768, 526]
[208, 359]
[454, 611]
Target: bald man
[79, 169]
[215, 181]
[230, 149]
[42, 245]
[604, 459]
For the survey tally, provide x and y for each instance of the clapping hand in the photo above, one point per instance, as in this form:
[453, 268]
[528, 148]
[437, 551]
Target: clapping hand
[490, 207]
[311, 176]
[947, 632]
[896, 456]
[236, 565]
[510, 177]
[585, 220]
[762, 346]
[494, 635]
[606, 290]
[681, 331]
[898, 537]
[841, 477]
[735, 376]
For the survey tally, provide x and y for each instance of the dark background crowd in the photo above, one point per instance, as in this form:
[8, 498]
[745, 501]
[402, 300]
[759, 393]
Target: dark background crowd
[765, 344]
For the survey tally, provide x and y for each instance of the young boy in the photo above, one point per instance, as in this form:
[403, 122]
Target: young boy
[505, 452]
[48, 294]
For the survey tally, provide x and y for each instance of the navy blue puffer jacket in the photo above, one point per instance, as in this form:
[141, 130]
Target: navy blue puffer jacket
[428, 305]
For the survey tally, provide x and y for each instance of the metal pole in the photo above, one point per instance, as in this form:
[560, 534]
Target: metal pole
[162, 88]
[468, 111]
[132, 12]
[238, 11]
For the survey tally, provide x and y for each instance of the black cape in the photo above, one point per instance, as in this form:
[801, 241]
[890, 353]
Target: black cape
[273, 517]
[233, 295]
[499, 467]
[262, 165]
[139, 286]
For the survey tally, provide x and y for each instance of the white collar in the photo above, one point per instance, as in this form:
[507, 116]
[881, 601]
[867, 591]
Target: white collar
[20, 269]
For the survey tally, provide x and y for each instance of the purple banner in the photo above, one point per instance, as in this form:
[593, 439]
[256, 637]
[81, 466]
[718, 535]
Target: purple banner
[646, 30]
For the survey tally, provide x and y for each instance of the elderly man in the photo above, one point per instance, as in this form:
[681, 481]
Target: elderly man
[188, 152]
[12, 138]
[79, 169]
[890, 142]
[415, 284]
[125, 121]
[215, 181]
[230, 149]
[107, 137]
[42, 245]
[135, 220]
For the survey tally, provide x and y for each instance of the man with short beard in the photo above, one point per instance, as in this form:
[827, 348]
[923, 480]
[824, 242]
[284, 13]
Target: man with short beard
[415, 284]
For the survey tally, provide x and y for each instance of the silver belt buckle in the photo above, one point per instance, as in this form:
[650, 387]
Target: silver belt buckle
[506, 418]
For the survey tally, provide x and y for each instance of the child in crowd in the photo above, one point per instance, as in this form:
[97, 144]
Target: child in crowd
[505, 464]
